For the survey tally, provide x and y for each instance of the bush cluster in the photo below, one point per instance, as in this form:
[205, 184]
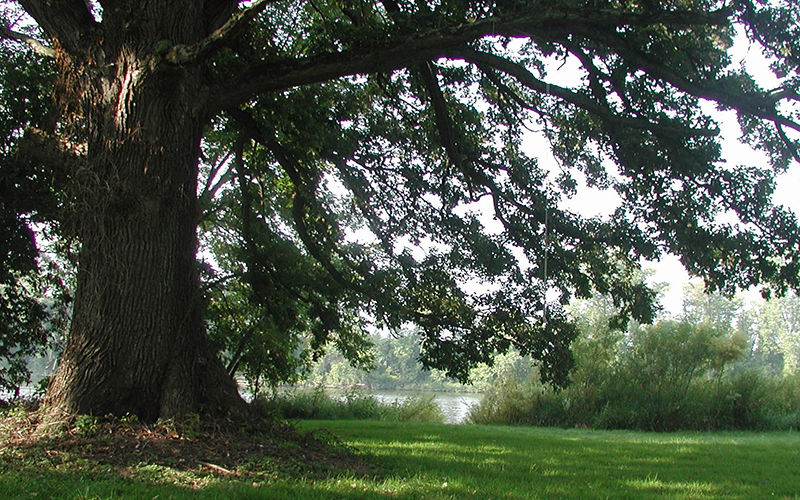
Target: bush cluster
[666, 377]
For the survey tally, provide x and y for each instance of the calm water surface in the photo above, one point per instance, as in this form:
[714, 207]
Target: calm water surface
[455, 406]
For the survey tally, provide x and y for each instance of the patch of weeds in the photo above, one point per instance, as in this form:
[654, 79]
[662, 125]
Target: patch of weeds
[188, 427]
[85, 425]
[416, 409]
[129, 419]
[165, 475]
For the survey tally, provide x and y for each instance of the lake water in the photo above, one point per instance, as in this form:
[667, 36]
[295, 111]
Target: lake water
[24, 392]
[455, 406]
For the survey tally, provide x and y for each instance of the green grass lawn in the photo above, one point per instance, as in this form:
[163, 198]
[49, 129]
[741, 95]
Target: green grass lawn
[529, 463]
[433, 461]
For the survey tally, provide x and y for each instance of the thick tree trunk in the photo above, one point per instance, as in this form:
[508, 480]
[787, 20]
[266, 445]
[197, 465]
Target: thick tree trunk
[137, 343]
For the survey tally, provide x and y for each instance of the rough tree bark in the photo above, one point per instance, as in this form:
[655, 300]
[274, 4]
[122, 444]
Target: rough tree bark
[137, 343]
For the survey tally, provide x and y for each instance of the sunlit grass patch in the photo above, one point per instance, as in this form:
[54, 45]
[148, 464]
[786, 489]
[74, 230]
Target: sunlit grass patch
[689, 489]
[531, 463]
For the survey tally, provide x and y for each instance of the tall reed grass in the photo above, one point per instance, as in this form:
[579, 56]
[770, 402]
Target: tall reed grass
[317, 404]
[745, 400]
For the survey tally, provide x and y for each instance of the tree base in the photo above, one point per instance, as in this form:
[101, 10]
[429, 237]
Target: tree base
[251, 448]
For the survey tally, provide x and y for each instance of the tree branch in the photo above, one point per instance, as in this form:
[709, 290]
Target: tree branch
[292, 167]
[187, 54]
[762, 107]
[417, 46]
[39, 146]
[209, 191]
[485, 60]
[68, 21]
[218, 12]
[33, 43]
[443, 123]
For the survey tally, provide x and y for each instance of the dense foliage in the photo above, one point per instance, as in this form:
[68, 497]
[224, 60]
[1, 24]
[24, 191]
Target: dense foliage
[32, 297]
[348, 210]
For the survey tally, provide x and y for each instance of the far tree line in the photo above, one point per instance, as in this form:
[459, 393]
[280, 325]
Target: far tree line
[760, 334]
[715, 334]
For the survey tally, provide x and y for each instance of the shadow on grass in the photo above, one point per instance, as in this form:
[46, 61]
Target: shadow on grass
[90, 458]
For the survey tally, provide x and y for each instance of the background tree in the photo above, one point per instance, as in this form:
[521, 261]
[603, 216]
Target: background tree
[32, 299]
[779, 333]
[400, 121]
[713, 308]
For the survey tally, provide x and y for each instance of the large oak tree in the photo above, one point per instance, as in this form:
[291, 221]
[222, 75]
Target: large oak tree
[343, 157]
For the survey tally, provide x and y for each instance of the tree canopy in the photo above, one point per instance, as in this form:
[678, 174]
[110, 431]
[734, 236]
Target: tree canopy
[369, 162]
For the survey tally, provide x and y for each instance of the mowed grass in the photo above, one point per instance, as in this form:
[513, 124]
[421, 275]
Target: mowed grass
[444, 462]
[435, 461]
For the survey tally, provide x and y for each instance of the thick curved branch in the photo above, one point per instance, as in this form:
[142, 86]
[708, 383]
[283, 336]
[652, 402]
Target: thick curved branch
[68, 21]
[287, 74]
[389, 53]
[36, 45]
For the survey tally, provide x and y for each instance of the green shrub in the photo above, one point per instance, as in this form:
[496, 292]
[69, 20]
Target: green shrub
[752, 400]
[666, 377]
[509, 401]
[741, 400]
